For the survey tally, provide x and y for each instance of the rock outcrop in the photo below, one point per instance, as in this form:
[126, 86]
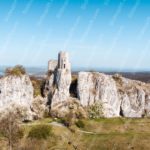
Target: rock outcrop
[63, 81]
[134, 96]
[39, 107]
[16, 91]
[70, 106]
[99, 88]
[118, 95]
[59, 79]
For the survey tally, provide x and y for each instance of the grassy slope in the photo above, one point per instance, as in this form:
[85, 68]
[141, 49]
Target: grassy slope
[117, 134]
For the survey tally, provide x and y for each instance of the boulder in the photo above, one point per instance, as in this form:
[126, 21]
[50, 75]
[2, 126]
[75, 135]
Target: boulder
[39, 107]
[70, 106]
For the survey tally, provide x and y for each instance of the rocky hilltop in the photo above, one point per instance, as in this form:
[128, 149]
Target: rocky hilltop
[117, 95]
[112, 95]
[59, 80]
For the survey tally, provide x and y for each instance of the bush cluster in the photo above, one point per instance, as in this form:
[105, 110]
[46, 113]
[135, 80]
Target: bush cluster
[37, 85]
[80, 124]
[40, 132]
[17, 71]
[65, 121]
[95, 111]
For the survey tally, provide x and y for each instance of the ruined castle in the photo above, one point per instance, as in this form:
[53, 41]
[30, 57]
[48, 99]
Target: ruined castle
[59, 81]
[117, 95]
[61, 63]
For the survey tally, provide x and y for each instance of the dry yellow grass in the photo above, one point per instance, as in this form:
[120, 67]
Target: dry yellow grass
[116, 133]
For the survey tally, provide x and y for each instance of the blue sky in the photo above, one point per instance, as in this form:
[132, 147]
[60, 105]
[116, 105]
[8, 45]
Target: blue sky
[101, 34]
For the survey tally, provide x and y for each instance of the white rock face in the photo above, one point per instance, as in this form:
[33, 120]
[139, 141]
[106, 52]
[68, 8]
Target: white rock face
[39, 107]
[133, 104]
[63, 81]
[147, 104]
[52, 65]
[16, 91]
[118, 95]
[97, 87]
[132, 94]
[58, 82]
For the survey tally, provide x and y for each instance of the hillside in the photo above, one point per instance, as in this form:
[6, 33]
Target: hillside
[105, 134]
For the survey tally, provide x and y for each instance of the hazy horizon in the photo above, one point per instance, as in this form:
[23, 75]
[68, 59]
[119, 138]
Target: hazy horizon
[76, 69]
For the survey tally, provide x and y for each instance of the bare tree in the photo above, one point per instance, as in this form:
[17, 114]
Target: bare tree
[10, 126]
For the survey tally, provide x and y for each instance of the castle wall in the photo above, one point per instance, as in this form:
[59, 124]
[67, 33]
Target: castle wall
[63, 61]
[52, 65]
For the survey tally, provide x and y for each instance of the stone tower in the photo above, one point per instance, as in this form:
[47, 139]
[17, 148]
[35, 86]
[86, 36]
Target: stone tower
[52, 65]
[63, 78]
[58, 83]
[63, 61]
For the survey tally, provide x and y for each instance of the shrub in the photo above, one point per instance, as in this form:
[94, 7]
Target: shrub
[40, 132]
[80, 124]
[69, 119]
[37, 83]
[17, 71]
[95, 111]
[65, 121]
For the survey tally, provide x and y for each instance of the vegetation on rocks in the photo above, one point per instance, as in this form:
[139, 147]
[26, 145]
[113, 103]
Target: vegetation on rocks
[37, 85]
[16, 71]
[95, 110]
[66, 108]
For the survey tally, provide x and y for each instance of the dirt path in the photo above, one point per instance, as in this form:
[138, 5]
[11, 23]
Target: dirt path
[59, 125]
[56, 124]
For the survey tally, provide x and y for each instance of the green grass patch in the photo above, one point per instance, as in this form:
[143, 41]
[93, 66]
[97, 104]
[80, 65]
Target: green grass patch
[40, 132]
[80, 124]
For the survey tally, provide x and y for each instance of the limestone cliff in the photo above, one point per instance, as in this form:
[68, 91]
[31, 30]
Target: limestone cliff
[63, 81]
[134, 96]
[118, 95]
[99, 88]
[16, 90]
